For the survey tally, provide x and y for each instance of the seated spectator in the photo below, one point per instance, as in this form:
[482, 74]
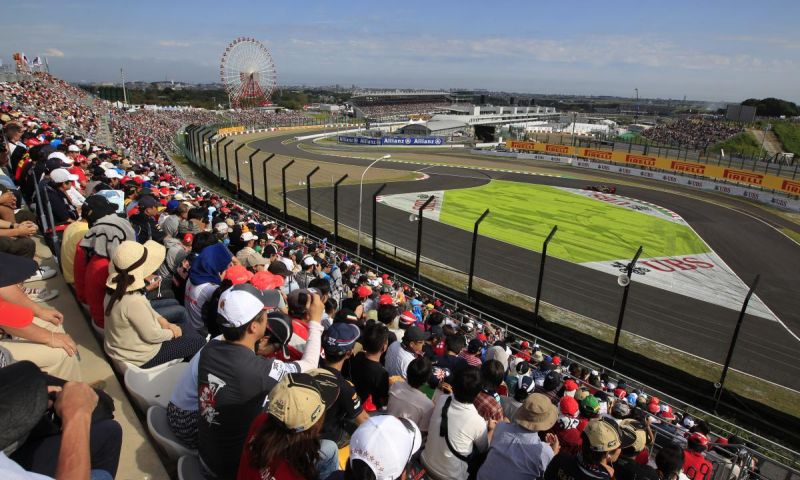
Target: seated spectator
[205, 277]
[135, 333]
[56, 190]
[347, 411]
[85, 443]
[603, 442]
[488, 400]
[30, 331]
[400, 354]
[457, 434]
[406, 400]
[516, 452]
[144, 223]
[381, 448]
[472, 354]
[369, 377]
[233, 381]
[93, 257]
[285, 442]
[551, 386]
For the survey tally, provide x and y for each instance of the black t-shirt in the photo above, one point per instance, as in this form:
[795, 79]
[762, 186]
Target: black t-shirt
[347, 407]
[233, 383]
[567, 467]
[369, 378]
[351, 303]
[628, 469]
[444, 367]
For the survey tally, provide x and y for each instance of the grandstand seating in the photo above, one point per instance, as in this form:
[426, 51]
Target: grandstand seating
[158, 427]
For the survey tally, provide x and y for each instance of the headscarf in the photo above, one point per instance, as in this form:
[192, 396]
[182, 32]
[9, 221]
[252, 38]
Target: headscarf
[211, 262]
[106, 235]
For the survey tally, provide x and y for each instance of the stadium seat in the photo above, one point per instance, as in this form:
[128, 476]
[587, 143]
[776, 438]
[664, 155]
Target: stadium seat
[159, 429]
[123, 367]
[189, 468]
[150, 387]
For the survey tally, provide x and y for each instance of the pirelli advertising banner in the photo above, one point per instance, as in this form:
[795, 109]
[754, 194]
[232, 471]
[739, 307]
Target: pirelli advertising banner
[718, 172]
[230, 130]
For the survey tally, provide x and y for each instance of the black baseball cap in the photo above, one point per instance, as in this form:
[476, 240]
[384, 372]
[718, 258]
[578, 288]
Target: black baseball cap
[279, 268]
[280, 330]
[23, 401]
[415, 334]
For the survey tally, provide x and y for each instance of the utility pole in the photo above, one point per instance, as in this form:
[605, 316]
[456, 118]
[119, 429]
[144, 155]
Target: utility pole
[636, 116]
[124, 92]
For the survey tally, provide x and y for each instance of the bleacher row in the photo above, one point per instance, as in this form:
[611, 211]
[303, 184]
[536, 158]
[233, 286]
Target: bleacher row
[391, 349]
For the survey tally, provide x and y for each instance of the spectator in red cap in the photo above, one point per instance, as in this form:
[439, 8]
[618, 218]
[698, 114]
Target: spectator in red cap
[695, 464]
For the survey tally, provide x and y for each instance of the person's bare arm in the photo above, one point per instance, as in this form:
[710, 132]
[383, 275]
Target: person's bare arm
[25, 229]
[14, 294]
[74, 405]
[36, 334]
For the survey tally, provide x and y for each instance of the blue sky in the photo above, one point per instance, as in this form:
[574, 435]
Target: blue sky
[714, 50]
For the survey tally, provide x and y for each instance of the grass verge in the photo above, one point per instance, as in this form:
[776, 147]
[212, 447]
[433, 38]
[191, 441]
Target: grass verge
[789, 135]
[742, 144]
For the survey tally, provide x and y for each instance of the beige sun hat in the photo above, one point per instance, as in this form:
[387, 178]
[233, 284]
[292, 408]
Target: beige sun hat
[136, 260]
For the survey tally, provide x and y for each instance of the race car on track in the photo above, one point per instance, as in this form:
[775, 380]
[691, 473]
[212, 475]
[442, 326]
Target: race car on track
[601, 188]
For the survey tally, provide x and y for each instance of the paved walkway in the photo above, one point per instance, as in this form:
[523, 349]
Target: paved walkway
[139, 460]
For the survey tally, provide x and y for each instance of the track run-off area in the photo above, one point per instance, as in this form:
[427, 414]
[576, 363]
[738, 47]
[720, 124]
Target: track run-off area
[701, 249]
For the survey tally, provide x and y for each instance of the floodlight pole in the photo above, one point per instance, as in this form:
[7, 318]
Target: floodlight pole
[283, 180]
[419, 233]
[472, 255]
[629, 272]
[308, 193]
[375, 219]
[721, 385]
[360, 201]
[336, 209]
[541, 274]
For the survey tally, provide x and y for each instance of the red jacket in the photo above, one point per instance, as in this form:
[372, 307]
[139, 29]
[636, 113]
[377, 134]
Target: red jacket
[696, 466]
[79, 273]
[96, 276]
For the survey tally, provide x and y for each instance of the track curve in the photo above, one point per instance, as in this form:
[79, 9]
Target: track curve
[741, 234]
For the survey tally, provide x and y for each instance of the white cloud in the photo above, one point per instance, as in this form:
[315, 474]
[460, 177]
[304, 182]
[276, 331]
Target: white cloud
[53, 52]
[174, 44]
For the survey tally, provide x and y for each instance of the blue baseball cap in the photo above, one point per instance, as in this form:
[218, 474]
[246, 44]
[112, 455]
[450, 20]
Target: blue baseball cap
[340, 337]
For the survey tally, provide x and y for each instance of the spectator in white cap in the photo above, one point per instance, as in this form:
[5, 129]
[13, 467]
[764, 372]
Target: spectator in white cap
[248, 256]
[309, 271]
[64, 211]
[381, 449]
[234, 382]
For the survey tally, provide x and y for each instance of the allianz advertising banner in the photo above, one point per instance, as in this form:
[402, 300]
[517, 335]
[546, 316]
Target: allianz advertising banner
[391, 140]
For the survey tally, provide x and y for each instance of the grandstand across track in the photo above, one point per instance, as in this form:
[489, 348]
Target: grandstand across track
[747, 244]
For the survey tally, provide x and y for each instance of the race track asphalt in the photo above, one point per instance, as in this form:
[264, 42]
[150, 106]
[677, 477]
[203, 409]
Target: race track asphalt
[747, 244]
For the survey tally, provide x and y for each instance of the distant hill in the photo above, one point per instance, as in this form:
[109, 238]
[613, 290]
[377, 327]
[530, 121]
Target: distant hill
[773, 107]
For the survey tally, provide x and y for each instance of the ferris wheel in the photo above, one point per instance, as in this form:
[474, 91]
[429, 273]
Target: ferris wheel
[248, 73]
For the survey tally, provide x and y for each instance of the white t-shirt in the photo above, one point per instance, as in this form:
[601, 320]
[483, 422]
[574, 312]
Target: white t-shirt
[397, 359]
[406, 401]
[467, 430]
[9, 470]
[196, 297]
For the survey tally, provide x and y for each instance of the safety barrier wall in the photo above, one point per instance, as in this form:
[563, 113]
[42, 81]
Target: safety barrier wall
[715, 172]
[788, 458]
[776, 199]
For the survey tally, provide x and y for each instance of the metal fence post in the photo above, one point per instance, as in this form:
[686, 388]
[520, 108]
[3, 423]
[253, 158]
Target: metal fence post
[206, 161]
[235, 158]
[225, 151]
[472, 254]
[419, 233]
[252, 179]
[219, 170]
[628, 272]
[336, 209]
[375, 219]
[721, 384]
[541, 274]
[283, 180]
[308, 193]
[264, 172]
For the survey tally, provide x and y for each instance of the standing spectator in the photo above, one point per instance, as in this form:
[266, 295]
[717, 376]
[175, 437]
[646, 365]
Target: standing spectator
[488, 401]
[406, 400]
[369, 377]
[337, 343]
[400, 354]
[695, 464]
[285, 442]
[233, 381]
[457, 433]
[516, 451]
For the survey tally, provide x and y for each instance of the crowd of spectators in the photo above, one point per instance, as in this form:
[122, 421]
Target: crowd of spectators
[692, 133]
[401, 110]
[302, 363]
